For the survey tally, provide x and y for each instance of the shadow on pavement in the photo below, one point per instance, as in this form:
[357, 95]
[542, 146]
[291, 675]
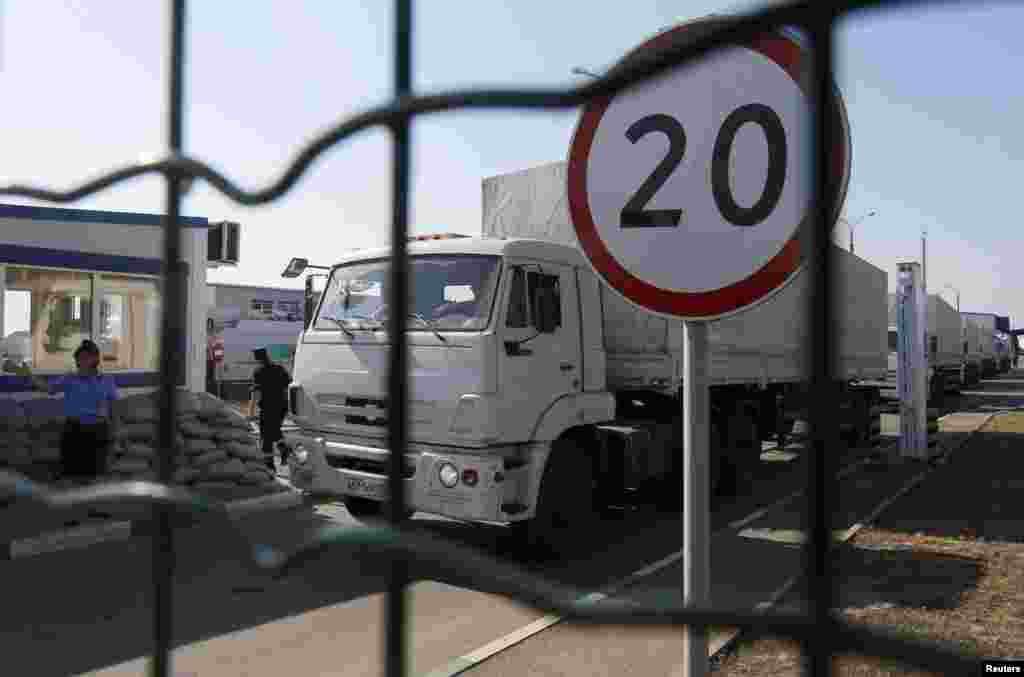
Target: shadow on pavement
[977, 494]
[95, 604]
[870, 578]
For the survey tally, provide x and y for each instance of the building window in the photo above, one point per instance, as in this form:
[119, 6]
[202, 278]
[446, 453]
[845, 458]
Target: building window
[47, 313]
[262, 308]
[129, 322]
[289, 310]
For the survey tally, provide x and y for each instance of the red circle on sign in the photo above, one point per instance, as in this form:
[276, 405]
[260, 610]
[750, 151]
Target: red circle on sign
[785, 53]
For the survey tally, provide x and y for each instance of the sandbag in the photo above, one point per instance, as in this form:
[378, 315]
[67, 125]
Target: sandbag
[196, 430]
[231, 419]
[47, 438]
[48, 454]
[258, 465]
[142, 476]
[12, 416]
[234, 435]
[15, 455]
[15, 438]
[208, 458]
[231, 469]
[127, 466]
[255, 477]
[136, 450]
[45, 426]
[197, 445]
[186, 475]
[244, 451]
[137, 432]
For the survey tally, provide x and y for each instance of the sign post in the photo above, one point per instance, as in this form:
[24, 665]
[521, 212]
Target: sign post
[688, 195]
[912, 374]
[696, 491]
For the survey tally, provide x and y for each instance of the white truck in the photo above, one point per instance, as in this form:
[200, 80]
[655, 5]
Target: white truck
[989, 342]
[234, 343]
[943, 346]
[972, 350]
[545, 397]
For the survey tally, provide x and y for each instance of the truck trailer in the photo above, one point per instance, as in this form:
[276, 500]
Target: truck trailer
[972, 352]
[538, 397]
[943, 347]
[991, 348]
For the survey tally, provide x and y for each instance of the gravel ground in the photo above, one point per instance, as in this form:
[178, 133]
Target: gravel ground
[945, 563]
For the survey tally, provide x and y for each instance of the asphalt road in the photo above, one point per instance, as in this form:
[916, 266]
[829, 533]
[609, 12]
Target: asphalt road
[89, 611]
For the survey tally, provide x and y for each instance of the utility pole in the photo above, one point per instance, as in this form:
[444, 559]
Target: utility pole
[924, 260]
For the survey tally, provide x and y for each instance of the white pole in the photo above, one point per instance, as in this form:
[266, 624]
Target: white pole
[913, 375]
[696, 499]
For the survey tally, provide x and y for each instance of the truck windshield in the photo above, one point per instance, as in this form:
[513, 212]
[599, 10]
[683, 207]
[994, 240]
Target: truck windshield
[447, 292]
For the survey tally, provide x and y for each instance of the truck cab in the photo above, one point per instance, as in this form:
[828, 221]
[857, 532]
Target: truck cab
[501, 364]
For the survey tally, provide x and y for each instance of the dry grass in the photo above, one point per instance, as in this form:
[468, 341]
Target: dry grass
[945, 564]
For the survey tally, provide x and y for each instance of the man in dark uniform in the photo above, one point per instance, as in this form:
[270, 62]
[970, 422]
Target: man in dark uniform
[271, 380]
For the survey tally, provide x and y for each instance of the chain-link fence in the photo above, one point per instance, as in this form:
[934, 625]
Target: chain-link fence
[821, 632]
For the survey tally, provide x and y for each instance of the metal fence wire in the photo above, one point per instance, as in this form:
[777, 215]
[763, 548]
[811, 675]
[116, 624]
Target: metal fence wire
[821, 632]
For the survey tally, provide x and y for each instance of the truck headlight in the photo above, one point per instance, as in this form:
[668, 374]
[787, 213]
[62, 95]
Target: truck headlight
[448, 474]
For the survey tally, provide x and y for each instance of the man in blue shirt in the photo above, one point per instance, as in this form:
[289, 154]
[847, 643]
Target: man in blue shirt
[91, 425]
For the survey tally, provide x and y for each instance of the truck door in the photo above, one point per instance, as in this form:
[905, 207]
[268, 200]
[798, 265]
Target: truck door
[545, 367]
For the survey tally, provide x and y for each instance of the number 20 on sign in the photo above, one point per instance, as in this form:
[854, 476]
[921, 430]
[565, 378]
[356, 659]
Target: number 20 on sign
[688, 193]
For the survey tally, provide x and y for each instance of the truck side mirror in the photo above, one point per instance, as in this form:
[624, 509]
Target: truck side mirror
[545, 307]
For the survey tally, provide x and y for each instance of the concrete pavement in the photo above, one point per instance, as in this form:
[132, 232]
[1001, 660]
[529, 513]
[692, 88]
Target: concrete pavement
[230, 620]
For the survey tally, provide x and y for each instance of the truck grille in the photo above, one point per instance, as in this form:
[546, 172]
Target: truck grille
[376, 411]
[365, 411]
[374, 467]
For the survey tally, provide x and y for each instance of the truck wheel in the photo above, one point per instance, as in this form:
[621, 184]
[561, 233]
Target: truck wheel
[364, 507]
[718, 464]
[937, 390]
[742, 452]
[861, 434]
[565, 505]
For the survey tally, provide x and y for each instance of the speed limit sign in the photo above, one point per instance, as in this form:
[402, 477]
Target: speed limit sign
[688, 193]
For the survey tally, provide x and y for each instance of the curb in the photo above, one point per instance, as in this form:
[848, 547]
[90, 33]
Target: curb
[777, 596]
[118, 530]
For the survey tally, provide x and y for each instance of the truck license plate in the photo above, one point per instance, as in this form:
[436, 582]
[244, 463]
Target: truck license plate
[367, 488]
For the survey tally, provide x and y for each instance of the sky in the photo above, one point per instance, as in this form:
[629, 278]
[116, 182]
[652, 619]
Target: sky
[932, 97]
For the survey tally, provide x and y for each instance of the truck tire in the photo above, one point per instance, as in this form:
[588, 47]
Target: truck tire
[565, 505]
[937, 390]
[716, 450]
[743, 453]
[861, 434]
[364, 507]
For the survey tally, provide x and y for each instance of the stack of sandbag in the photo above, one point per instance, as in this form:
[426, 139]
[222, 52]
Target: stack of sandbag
[15, 443]
[222, 450]
[215, 450]
[44, 417]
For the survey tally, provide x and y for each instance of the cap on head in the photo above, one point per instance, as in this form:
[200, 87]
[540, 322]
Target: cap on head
[260, 354]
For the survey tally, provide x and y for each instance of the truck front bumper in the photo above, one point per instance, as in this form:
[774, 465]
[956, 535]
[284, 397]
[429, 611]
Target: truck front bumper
[484, 493]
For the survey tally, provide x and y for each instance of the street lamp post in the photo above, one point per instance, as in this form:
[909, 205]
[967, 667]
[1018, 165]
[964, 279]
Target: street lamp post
[853, 224]
[582, 71]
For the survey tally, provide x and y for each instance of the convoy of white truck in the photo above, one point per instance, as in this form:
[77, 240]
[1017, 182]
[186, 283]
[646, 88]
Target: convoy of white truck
[545, 397]
[538, 397]
[955, 352]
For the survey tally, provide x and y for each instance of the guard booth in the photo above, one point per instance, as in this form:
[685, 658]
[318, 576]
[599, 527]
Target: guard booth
[71, 274]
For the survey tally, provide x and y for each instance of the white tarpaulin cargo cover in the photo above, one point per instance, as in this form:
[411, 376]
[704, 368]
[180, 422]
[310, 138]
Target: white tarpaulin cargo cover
[763, 344]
